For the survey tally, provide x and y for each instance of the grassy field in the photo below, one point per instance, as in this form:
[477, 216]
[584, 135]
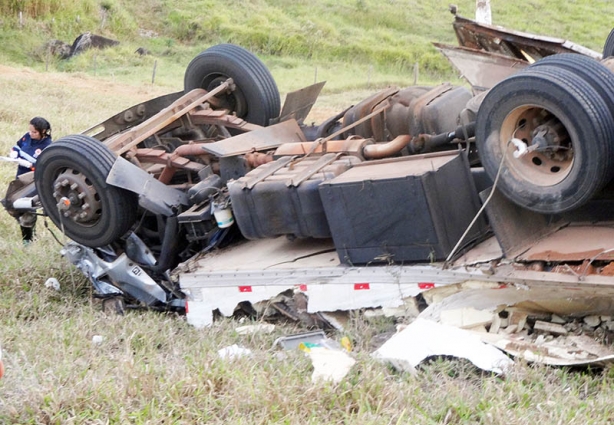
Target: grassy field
[153, 368]
[350, 43]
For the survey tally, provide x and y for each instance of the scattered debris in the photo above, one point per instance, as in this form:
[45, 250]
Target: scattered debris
[329, 365]
[466, 318]
[291, 342]
[97, 339]
[335, 319]
[425, 338]
[551, 325]
[233, 352]
[52, 283]
[592, 321]
[265, 328]
[331, 361]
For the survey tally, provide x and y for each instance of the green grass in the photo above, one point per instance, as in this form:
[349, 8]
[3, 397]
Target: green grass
[360, 42]
[153, 368]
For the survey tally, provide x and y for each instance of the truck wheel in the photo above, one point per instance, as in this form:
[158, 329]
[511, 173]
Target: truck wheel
[590, 70]
[608, 48]
[256, 98]
[569, 165]
[70, 180]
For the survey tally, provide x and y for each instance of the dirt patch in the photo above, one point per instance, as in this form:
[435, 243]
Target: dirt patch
[78, 81]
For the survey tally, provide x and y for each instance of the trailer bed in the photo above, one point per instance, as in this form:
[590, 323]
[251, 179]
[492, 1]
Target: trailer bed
[260, 270]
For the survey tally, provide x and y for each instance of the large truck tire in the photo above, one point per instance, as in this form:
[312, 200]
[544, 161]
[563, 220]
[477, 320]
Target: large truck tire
[70, 179]
[256, 97]
[608, 47]
[550, 178]
[591, 71]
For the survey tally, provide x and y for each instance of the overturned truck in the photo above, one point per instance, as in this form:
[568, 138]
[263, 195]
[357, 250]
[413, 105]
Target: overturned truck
[217, 198]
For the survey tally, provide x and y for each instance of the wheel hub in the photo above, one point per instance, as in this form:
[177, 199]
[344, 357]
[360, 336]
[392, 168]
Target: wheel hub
[549, 157]
[233, 100]
[76, 197]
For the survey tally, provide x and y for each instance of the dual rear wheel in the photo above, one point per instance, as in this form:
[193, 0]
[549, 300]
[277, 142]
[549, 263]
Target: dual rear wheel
[549, 132]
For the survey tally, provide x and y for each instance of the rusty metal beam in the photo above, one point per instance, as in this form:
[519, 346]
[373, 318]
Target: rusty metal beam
[157, 156]
[126, 141]
[221, 117]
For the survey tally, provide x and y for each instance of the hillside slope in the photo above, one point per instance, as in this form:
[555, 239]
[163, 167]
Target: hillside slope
[393, 34]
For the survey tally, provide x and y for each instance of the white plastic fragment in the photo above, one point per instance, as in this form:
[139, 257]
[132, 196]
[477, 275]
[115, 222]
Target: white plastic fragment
[52, 283]
[234, 352]
[97, 339]
[329, 365]
[467, 317]
[265, 328]
[425, 338]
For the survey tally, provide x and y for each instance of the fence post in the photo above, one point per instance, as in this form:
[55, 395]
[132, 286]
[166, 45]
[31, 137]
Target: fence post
[153, 75]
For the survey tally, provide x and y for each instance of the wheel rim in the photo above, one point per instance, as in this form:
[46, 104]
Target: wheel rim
[541, 165]
[233, 101]
[77, 198]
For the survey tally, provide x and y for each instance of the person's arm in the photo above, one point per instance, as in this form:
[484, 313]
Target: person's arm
[14, 153]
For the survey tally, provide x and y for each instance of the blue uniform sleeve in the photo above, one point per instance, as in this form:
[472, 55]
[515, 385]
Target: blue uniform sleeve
[21, 139]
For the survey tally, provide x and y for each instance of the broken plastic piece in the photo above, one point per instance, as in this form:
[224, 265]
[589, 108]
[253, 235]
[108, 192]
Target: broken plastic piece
[265, 328]
[52, 283]
[425, 338]
[234, 352]
[329, 365]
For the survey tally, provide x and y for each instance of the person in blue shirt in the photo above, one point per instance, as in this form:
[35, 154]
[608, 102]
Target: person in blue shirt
[26, 150]
[29, 147]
